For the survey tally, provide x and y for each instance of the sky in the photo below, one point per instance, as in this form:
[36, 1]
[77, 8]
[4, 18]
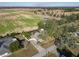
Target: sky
[39, 4]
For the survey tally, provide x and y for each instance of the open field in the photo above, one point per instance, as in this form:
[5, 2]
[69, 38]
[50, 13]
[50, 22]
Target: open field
[24, 19]
[17, 21]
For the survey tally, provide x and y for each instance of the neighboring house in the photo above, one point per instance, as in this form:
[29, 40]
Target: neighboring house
[4, 45]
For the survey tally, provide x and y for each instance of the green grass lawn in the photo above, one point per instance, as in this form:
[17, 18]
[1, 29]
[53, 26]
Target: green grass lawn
[9, 25]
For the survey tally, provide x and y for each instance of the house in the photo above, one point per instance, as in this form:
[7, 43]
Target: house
[4, 45]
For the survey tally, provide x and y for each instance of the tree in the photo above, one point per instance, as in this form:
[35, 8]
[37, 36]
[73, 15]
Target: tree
[50, 26]
[61, 30]
[14, 46]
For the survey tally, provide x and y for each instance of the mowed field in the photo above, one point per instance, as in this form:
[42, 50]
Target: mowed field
[12, 20]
